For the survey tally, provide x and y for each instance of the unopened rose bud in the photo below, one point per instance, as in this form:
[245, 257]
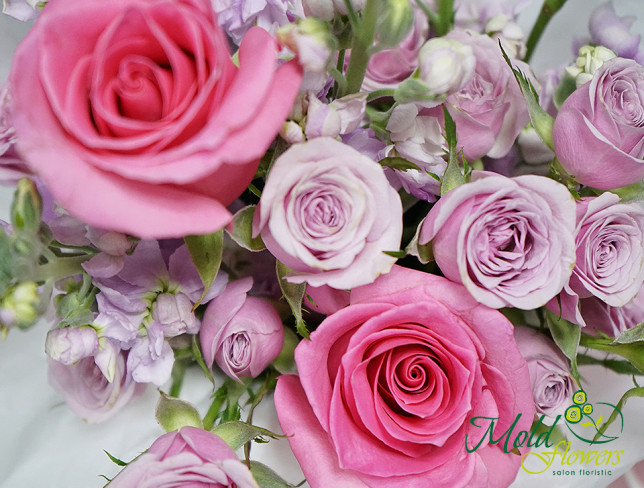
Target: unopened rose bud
[394, 23]
[590, 59]
[174, 314]
[26, 208]
[241, 334]
[20, 305]
[69, 345]
[311, 40]
[445, 65]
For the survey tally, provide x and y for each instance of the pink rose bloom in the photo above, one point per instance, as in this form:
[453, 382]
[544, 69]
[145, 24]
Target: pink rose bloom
[389, 385]
[610, 320]
[550, 377]
[328, 212]
[135, 116]
[599, 131]
[190, 458]
[96, 387]
[490, 110]
[610, 255]
[510, 241]
[241, 334]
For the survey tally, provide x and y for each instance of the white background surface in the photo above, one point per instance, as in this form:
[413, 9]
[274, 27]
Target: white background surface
[43, 444]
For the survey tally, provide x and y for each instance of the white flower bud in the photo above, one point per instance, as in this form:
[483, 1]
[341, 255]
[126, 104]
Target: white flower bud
[445, 65]
[69, 345]
[590, 59]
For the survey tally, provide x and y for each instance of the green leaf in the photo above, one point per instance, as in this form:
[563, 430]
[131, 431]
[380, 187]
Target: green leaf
[398, 163]
[205, 251]
[241, 230]
[631, 193]
[115, 460]
[266, 477]
[237, 433]
[396, 254]
[541, 120]
[197, 354]
[633, 351]
[563, 90]
[633, 334]
[453, 175]
[173, 413]
[293, 293]
[566, 335]
[617, 365]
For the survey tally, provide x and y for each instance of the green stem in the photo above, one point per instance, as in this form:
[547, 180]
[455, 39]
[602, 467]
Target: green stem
[60, 268]
[548, 10]
[211, 414]
[178, 373]
[385, 92]
[362, 41]
[445, 17]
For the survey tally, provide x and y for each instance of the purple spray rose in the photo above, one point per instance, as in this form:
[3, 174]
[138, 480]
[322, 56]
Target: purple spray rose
[508, 240]
[328, 213]
[189, 457]
[241, 334]
[489, 111]
[599, 131]
[550, 377]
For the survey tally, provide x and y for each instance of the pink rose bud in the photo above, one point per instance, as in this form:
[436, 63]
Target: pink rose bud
[187, 457]
[598, 133]
[241, 334]
[550, 377]
[69, 345]
[174, 313]
[445, 65]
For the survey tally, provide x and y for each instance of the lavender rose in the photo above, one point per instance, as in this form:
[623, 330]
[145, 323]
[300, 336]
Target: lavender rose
[599, 131]
[189, 457]
[611, 320]
[489, 111]
[550, 378]
[241, 334]
[508, 240]
[328, 213]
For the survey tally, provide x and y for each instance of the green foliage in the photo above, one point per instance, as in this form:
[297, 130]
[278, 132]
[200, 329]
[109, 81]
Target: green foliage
[293, 293]
[206, 251]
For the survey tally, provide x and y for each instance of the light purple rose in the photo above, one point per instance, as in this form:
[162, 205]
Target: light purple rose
[599, 131]
[613, 32]
[71, 344]
[611, 320]
[490, 110]
[189, 457]
[552, 383]
[241, 334]
[389, 67]
[95, 389]
[510, 241]
[610, 254]
[328, 212]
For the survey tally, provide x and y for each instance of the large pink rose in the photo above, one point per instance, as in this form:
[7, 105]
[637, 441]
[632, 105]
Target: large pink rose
[599, 130]
[389, 386]
[134, 115]
[191, 458]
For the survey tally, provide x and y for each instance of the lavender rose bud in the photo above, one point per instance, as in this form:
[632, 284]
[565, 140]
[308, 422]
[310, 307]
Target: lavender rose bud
[607, 29]
[71, 344]
[328, 213]
[598, 133]
[550, 377]
[189, 457]
[509, 241]
[241, 334]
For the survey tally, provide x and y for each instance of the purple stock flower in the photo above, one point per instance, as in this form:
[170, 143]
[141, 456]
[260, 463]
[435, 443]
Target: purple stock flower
[609, 30]
[71, 344]
[237, 16]
[149, 301]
